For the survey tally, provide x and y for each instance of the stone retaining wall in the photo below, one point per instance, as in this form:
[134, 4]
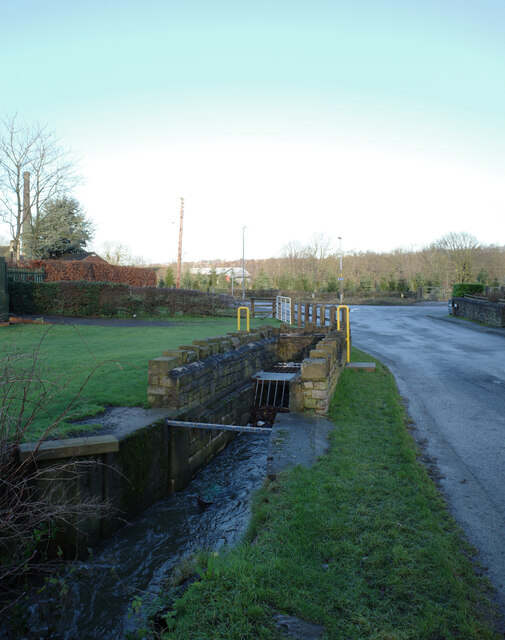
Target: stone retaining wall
[320, 374]
[195, 374]
[490, 313]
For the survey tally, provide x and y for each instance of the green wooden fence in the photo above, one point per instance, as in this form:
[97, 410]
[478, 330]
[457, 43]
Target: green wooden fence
[25, 275]
[4, 296]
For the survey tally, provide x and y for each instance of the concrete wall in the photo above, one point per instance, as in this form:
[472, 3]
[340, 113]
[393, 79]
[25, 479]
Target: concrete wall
[123, 475]
[490, 313]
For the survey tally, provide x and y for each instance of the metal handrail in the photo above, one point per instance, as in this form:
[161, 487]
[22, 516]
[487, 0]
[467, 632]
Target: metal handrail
[348, 336]
[238, 317]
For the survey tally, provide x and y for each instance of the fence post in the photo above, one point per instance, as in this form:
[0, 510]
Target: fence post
[314, 314]
[323, 315]
[4, 297]
[299, 314]
[332, 316]
[252, 307]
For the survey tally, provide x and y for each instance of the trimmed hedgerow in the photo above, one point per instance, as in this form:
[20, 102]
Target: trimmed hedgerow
[106, 299]
[468, 288]
[77, 271]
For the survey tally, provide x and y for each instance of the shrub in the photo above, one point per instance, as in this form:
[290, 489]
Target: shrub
[468, 288]
[32, 507]
[106, 299]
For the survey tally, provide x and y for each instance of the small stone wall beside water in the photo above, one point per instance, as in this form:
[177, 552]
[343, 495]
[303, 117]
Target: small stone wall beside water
[195, 374]
[295, 343]
[320, 374]
[209, 381]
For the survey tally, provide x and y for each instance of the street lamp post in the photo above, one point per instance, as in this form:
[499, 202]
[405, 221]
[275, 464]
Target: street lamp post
[243, 263]
[341, 278]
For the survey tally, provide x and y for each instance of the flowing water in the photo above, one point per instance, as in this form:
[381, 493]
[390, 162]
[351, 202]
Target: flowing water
[135, 560]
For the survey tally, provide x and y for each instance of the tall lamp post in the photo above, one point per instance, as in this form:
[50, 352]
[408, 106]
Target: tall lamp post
[341, 278]
[243, 263]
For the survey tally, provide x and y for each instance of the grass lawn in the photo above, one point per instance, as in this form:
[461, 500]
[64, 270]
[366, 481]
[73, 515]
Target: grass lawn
[116, 358]
[362, 543]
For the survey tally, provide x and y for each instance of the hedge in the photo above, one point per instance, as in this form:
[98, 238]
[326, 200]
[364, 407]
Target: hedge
[468, 288]
[77, 270]
[106, 299]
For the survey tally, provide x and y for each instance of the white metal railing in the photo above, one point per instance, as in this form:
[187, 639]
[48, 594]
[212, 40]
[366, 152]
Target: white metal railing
[283, 309]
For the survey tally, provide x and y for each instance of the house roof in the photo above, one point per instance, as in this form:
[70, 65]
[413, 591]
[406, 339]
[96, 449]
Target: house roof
[82, 255]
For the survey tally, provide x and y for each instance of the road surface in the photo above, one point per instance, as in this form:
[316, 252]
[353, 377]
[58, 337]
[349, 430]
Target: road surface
[452, 374]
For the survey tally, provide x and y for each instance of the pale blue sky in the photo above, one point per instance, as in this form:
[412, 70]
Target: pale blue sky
[379, 121]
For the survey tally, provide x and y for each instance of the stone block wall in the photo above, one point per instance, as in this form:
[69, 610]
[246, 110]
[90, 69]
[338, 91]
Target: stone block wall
[320, 374]
[197, 374]
[490, 313]
[208, 381]
[295, 343]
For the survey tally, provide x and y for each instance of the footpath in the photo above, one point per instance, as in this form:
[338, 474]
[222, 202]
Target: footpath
[297, 438]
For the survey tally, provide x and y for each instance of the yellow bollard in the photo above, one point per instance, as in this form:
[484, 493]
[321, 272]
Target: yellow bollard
[348, 332]
[238, 317]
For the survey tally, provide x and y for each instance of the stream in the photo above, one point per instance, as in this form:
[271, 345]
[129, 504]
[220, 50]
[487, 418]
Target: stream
[137, 557]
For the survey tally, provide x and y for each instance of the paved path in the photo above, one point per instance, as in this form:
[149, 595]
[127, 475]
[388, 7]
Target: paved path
[116, 322]
[452, 374]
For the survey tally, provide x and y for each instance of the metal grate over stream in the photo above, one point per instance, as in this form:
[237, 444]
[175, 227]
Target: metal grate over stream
[272, 386]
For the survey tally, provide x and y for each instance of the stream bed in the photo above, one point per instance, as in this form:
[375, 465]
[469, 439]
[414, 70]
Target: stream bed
[135, 560]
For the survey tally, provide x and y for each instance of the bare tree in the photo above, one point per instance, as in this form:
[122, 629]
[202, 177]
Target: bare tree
[459, 251]
[319, 247]
[117, 253]
[36, 150]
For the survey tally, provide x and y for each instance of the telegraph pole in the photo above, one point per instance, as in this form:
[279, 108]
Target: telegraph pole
[243, 263]
[341, 279]
[179, 254]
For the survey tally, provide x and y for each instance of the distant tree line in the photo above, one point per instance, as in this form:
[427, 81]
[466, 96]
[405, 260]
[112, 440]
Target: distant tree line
[453, 258]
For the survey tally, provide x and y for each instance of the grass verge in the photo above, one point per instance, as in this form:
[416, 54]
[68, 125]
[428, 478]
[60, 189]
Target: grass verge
[114, 358]
[362, 543]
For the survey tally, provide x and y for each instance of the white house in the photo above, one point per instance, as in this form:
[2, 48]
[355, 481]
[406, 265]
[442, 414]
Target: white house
[230, 273]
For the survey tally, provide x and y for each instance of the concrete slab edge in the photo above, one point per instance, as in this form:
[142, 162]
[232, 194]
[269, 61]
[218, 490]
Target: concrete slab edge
[69, 448]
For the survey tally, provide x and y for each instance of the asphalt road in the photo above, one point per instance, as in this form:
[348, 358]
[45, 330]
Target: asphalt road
[452, 375]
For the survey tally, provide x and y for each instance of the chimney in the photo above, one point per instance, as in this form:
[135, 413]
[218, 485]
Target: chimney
[26, 225]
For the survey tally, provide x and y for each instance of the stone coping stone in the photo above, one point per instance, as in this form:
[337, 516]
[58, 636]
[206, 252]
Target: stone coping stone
[297, 628]
[361, 366]
[69, 448]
